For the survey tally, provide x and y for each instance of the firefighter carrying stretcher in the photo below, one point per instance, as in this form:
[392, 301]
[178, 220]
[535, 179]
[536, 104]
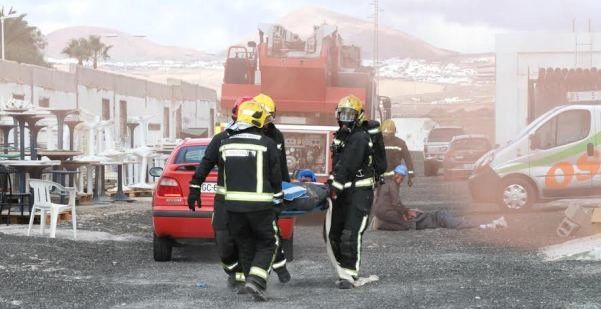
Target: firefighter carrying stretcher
[228, 253]
[252, 184]
[352, 185]
[270, 130]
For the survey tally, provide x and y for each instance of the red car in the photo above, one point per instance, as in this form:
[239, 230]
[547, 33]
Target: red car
[171, 218]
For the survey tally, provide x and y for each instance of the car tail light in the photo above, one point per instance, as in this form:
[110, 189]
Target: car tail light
[169, 187]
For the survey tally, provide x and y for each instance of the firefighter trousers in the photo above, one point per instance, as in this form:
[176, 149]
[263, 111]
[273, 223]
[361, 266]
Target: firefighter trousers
[228, 252]
[279, 263]
[348, 222]
[256, 236]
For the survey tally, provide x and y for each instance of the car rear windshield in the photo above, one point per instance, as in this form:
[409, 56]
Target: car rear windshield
[444, 135]
[191, 154]
[477, 144]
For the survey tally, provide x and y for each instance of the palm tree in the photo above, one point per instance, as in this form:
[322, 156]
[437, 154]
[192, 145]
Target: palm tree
[23, 42]
[97, 49]
[78, 49]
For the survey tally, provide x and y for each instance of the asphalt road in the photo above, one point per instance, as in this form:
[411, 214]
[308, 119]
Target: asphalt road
[417, 269]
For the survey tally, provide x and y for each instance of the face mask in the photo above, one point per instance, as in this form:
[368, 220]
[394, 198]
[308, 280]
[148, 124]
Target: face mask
[347, 115]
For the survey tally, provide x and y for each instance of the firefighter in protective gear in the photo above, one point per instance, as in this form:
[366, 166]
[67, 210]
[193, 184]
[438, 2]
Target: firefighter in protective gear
[252, 184]
[274, 133]
[352, 180]
[228, 252]
[396, 151]
[270, 130]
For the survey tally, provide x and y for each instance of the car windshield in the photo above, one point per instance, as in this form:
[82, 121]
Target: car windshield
[476, 144]
[191, 154]
[444, 134]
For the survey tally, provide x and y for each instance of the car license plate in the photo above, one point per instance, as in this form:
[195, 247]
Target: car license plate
[210, 187]
[468, 166]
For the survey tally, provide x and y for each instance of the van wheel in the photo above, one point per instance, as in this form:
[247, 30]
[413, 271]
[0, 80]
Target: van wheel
[288, 247]
[162, 247]
[516, 194]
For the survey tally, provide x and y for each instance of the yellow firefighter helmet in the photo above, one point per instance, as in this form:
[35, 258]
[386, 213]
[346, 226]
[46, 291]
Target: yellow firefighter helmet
[266, 101]
[252, 113]
[388, 127]
[268, 105]
[350, 109]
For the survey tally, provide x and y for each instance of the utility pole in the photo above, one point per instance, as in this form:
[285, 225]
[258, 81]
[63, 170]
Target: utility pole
[375, 59]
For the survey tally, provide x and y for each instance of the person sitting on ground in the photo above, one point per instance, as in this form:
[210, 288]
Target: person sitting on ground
[392, 215]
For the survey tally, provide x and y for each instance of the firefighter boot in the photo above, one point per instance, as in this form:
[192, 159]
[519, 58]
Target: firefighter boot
[344, 284]
[255, 289]
[283, 274]
[236, 281]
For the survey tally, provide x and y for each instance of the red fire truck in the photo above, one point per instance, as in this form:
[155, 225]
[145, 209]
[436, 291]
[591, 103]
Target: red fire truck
[306, 79]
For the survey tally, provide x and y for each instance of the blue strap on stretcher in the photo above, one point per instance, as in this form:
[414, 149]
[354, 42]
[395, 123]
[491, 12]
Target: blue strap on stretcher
[294, 191]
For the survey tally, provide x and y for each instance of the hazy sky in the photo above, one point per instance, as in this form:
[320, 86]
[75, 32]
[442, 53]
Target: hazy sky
[463, 25]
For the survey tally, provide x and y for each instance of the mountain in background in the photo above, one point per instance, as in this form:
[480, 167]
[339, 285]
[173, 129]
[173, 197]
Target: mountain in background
[126, 47]
[393, 43]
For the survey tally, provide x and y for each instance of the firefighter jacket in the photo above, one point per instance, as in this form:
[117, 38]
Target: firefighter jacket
[276, 135]
[251, 171]
[353, 162]
[208, 162]
[396, 153]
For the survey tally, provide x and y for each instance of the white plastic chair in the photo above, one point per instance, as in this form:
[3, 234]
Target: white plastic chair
[42, 204]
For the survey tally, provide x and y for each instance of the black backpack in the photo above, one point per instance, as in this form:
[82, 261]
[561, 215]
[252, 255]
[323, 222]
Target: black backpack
[378, 151]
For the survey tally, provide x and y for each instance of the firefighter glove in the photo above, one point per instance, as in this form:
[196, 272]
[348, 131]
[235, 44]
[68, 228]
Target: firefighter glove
[334, 192]
[410, 179]
[194, 197]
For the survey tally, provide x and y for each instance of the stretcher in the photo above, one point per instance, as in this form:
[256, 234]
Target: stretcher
[300, 199]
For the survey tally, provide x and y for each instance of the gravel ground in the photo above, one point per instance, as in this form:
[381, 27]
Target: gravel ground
[417, 269]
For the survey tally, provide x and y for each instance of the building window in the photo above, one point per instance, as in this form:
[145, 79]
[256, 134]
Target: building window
[565, 128]
[123, 117]
[20, 97]
[106, 109]
[154, 127]
[178, 122]
[166, 122]
[44, 102]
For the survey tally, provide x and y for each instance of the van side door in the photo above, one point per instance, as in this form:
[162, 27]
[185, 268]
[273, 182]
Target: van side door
[560, 161]
[595, 160]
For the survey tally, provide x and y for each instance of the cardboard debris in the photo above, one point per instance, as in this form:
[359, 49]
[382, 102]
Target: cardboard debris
[586, 248]
[575, 218]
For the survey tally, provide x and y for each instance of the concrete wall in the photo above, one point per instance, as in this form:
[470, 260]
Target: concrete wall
[517, 55]
[85, 88]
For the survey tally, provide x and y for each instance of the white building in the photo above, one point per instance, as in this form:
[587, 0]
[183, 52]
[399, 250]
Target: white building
[176, 107]
[520, 54]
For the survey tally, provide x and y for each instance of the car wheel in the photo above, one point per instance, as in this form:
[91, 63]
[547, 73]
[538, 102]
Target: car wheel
[516, 194]
[288, 246]
[162, 247]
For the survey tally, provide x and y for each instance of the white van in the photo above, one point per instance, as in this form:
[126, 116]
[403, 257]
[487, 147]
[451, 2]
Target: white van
[556, 156]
